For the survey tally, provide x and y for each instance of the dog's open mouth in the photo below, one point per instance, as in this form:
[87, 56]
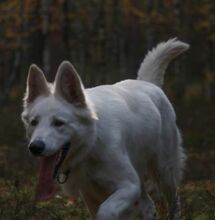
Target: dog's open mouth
[49, 166]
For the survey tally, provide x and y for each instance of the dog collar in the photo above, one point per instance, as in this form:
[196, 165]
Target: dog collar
[62, 177]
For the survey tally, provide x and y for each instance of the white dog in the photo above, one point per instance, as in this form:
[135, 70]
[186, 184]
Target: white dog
[104, 142]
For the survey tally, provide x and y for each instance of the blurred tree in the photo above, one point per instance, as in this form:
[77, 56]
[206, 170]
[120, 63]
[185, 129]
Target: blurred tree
[134, 37]
[105, 39]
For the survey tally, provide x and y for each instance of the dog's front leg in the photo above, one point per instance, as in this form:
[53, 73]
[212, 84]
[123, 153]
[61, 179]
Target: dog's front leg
[119, 202]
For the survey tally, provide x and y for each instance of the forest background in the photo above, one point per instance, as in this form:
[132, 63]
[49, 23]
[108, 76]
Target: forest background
[106, 40]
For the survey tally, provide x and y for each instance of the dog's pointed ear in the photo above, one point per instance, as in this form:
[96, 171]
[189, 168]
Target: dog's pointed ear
[36, 84]
[69, 85]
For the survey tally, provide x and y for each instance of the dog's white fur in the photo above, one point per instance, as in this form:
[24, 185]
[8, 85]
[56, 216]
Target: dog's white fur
[120, 134]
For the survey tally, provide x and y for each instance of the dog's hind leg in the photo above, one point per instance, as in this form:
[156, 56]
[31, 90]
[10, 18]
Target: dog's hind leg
[168, 185]
[175, 208]
[170, 192]
[170, 169]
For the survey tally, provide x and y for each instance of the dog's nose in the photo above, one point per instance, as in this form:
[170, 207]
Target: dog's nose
[37, 147]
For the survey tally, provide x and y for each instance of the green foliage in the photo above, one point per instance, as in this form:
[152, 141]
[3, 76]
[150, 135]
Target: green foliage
[199, 200]
[17, 202]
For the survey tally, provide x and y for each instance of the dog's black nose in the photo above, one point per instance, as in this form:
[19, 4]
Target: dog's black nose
[37, 147]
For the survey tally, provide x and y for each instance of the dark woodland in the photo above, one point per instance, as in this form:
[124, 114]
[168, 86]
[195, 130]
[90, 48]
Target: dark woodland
[106, 40]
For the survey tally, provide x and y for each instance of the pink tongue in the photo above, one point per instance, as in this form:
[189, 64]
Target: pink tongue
[46, 188]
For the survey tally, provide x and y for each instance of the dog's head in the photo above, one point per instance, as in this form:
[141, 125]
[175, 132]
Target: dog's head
[57, 115]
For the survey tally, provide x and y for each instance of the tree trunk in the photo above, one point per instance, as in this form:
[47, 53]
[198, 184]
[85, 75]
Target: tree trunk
[180, 81]
[56, 37]
[45, 5]
[149, 35]
[210, 78]
[134, 39]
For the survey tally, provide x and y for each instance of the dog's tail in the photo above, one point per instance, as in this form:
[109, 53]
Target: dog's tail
[154, 65]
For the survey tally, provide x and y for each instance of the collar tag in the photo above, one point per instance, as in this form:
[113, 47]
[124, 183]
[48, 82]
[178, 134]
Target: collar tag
[62, 177]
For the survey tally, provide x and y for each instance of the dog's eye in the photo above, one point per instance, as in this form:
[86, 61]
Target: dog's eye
[34, 122]
[58, 123]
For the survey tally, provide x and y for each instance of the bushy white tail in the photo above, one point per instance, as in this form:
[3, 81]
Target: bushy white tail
[153, 67]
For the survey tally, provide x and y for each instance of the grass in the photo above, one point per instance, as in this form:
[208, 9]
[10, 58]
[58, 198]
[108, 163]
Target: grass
[17, 202]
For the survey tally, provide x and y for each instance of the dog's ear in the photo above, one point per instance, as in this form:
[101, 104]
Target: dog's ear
[36, 84]
[68, 84]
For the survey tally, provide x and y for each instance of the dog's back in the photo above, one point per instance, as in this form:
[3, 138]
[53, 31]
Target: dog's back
[139, 118]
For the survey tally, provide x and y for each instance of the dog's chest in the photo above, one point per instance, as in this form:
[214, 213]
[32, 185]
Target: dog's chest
[87, 181]
[94, 192]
